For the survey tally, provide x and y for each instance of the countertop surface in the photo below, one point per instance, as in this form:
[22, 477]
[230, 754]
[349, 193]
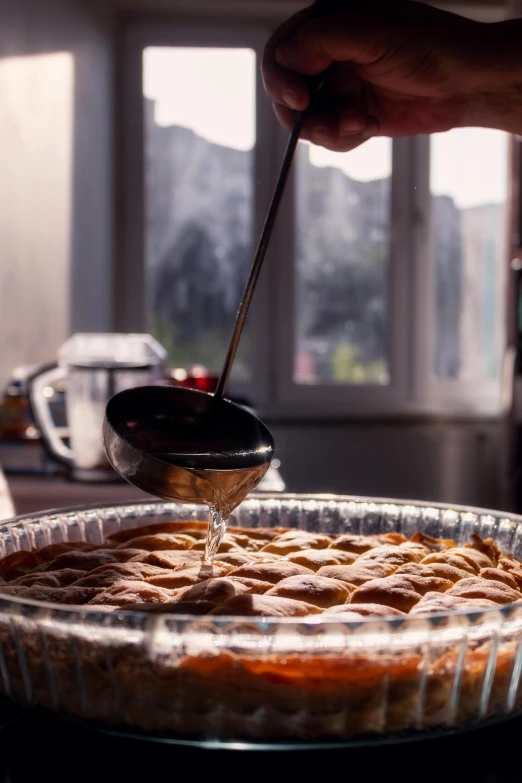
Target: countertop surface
[30, 494]
[41, 748]
[33, 493]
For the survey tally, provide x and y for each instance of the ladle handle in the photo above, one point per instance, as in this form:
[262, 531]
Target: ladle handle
[315, 84]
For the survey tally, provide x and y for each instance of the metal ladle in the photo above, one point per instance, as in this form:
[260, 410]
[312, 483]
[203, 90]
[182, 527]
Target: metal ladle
[179, 444]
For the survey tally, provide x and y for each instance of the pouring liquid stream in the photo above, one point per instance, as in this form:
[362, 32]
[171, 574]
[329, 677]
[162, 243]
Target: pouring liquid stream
[221, 489]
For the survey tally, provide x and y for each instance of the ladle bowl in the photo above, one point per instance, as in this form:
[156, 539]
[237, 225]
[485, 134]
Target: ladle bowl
[174, 442]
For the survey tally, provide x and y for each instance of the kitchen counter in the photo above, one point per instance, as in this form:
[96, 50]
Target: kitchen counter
[30, 494]
[38, 748]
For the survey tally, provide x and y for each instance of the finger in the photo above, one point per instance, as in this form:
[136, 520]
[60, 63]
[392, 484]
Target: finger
[346, 96]
[346, 37]
[334, 128]
[344, 115]
[352, 122]
[321, 127]
[325, 126]
[340, 132]
[344, 81]
[282, 86]
[344, 144]
[286, 116]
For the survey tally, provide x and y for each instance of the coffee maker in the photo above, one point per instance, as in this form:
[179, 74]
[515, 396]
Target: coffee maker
[92, 368]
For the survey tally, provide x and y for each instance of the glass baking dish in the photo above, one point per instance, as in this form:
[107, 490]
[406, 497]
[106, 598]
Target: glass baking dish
[247, 680]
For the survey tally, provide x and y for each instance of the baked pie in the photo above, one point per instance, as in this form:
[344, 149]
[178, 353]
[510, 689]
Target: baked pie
[258, 574]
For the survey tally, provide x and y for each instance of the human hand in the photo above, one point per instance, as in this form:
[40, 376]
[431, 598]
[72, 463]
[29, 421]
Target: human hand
[404, 68]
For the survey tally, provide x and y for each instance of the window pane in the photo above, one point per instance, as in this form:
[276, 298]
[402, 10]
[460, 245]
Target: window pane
[469, 195]
[343, 248]
[199, 136]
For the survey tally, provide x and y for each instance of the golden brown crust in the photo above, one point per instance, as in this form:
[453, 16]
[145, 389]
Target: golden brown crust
[218, 591]
[296, 541]
[356, 544]
[317, 558]
[106, 575]
[512, 567]
[497, 575]
[390, 538]
[486, 546]
[17, 564]
[317, 590]
[131, 592]
[476, 587]
[235, 558]
[271, 572]
[357, 574]
[393, 555]
[70, 595]
[442, 602]
[394, 591]
[61, 578]
[474, 557]
[159, 541]
[49, 552]
[226, 546]
[187, 526]
[417, 549]
[169, 558]
[292, 572]
[87, 560]
[265, 606]
[448, 558]
[442, 570]
[189, 575]
[433, 544]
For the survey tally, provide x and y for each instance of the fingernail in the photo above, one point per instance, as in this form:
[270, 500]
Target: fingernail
[290, 99]
[350, 126]
[287, 55]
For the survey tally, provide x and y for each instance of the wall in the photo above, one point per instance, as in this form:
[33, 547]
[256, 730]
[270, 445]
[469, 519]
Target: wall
[56, 201]
[448, 463]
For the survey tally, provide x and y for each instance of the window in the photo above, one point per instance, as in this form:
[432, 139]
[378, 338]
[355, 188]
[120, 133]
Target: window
[342, 229]
[469, 200]
[199, 137]
[383, 290]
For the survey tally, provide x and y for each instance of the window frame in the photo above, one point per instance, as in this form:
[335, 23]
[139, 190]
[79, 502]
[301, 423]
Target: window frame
[412, 390]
